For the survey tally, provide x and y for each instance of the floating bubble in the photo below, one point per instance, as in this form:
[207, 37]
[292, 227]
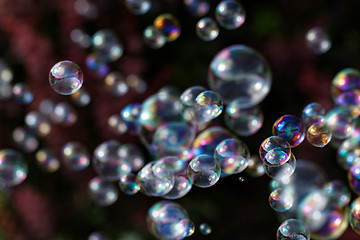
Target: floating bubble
[22, 94]
[281, 199]
[132, 154]
[47, 160]
[86, 9]
[98, 236]
[230, 14]
[115, 84]
[291, 128]
[197, 8]
[117, 124]
[107, 45]
[81, 98]
[95, 63]
[102, 192]
[46, 107]
[207, 29]
[354, 215]
[136, 83]
[6, 74]
[168, 25]
[25, 140]
[313, 113]
[293, 229]
[191, 229]
[255, 167]
[335, 225]
[66, 77]
[233, 155]
[275, 151]
[75, 156]
[354, 178]
[318, 135]
[130, 114]
[337, 193]
[317, 40]
[37, 123]
[182, 186]
[240, 73]
[204, 170]
[241, 179]
[340, 122]
[80, 37]
[349, 152]
[208, 106]
[345, 88]
[129, 184]
[13, 168]
[205, 228]
[138, 7]
[5, 90]
[64, 114]
[188, 97]
[153, 37]
[281, 172]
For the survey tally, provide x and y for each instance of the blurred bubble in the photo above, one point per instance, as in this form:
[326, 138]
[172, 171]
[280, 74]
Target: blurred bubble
[98, 236]
[354, 178]
[37, 123]
[240, 73]
[107, 45]
[345, 88]
[340, 122]
[318, 135]
[86, 9]
[153, 37]
[169, 26]
[132, 154]
[349, 152]
[47, 160]
[102, 192]
[22, 94]
[255, 166]
[197, 8]
[46, 107]
[182, 186]
[5, 90]
[80, 37]
[230, 14]
[204, 170]
[207, 29]
[205, 229]
[136, 83]
[64, 114]
[335, 225]
[66, 77]
[129, 184]
[188, 97]
[337, 193]
[191, 229]
[241, 179]
[138, 7]
[281, 172]
[130, 114]
[317, 40]
[95, 63]
[275, 151]
[313, 113]
[291, 128]
[75, 156]
[281, 199]
[81, 98]
[13, 168]
[354, 215]
[6, 74]
[169, 90]
[208, 105]
[25, 140]
[117, 124]
[115, 84]
[293, 229]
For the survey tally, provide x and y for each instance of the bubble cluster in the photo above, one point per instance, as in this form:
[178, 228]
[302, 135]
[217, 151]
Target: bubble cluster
[66, 77]
[204, 170]
[291, 128]
[207, 29]
[317, 40]
[230, 14]
[102, 192]
[13, 168]
[340, 122]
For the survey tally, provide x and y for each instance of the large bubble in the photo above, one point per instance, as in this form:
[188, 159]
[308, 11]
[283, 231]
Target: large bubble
[66, 77]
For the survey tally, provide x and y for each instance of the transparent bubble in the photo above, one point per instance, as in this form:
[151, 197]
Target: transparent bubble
[188, 97]
[204, 170]
[98, 236]
[349, 152]
[81, 98]
[5, 90]
[138, 7]
[169, 26]
[129, 184]
[281, 199]
[80, 37]
[102, 192]
[64, 114]
[318, 135]
[291, 128]
[133, 155]
[136, 83]
[293, 229]
[25, 139]
[86, 9]
[275, 151]
[340, 122]
[106, 45]
[13, 168]
[197, 8]
[207, 29]
[95, 63]
[313, 113]
[66, 77]
[6, 74]
[169, 90]
[354, 178]
[208, 106]
[281, 172]
[182, 186]
[335, 225]
[37, 123]
[354, 215]
[130, 114]
[205, 228]
[153, 37]
[240, 73]
[117, 124]
[255, 166]
[241, 179]
[75, 156]
[337, 193]
[233, 155]
[47, 160]
[115, 84]
[107, 162]
[317, 40]
[22, 94]
[230, 14]
[46, 107]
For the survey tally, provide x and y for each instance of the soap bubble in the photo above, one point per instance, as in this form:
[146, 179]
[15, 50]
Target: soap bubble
[208, 106]
[46, 107]
[313, 113]
[153, 37]
[318, 135]
[191, 229]
[188, 97]
[98, 236]
[354, 215]
[115, 84]
[240, 73]
[197, 8]
[132, 154]
[255, 166]
[86, 9]
[95, 63]
[130, 114]
[75, 156]
[182, 186]
[5, 90]
[205, 228]
[13, 168]
[106, 45]
[168, 25]
[6, 74]
[117, 124]
[38, 123]
[349, 152]
[129, 184]
[80, 37]
[233, 155]
[281, 172]
[354, 178]
[335, 225]
[25, 140]
[291, 128]
[293, 229]
[340, 122]
[317, 40]
[275, 151]
[66, 77]
[207, 29]
[230, 14]
[204, 170]
[47, 160]
[22, 93]
[138, 7]
[281, 199]
[102, 192]
[81, 98]
[64, 114]
[337, 193]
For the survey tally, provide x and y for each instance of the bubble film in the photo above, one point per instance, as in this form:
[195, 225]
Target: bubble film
[204, 170]
[340, 122]
[275, 151]
[168, 25]
[13, 168]
[66, 77]
[205, 229]
[318, 135]
[115, 84]
[291, 128]
[313, 113]
[129, 184]
[293, 229]
[188, 97]
[138, 7]
[240, 73]
[22, 94]
[75, 156]
[281, 199]
[106, 45]
[207, 29]
[345, 88]
[37, 123]
[230, 14]
[317, 40]
[354, 178]
[208, 106]
[25, 139]
[338, 194]
[102, 192]
[197, 8]
[354, 215]
[281, 172]
[47, 160]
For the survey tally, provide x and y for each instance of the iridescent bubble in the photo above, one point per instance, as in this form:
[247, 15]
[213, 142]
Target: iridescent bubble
[97, 64]
[255, 166]
[275, 151]
[354, 215]
[317, 40]
[241, 179]
[205, 228]
[25, 140]
[230, 14]
[281, 199]
[115, 84]
[291, 128]
[233, 155]
[98, 236]
[207, 29]
[64, 114]
[130, 114]
[107, 45]
[281, 172]
[240, 73]
[318, 135]
[340, 122]
[13, 168]
[86, 9]
[191, 229]
[197, 8]
[81, 98]
[338, 193]
[129, 184]
[313, 113]
[153, 37]
[75, 156]
[204, 170]
[182, 186]
[349, 152]
[117, 124]
[188, 97]
[47, 160]
[335, 225]
[66, 77]
[345, 88]
[168, 25]
[133, 155]
[354, 178]
[138, 7]
[208, 106]
[102, 192]
[293, 229]
[37, 123]
[22, 94]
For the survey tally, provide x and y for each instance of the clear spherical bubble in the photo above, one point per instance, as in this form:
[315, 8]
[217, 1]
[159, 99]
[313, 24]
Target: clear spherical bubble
[349, 152]
[154, 37]
[338, 193]
[22, 94]
[204, 170]
[130, 114]
[197, 8]
[240, 73]
[318, 135]
[81, 98]
[115, 84]
[168, 25]
[293, 229]
[25, 139]
[102, 192]
[106, 45]
[6, 74]
[47, 160]
[138, 7]
[205, 228]
[354, 215]
[313, 113]
[46, 107]
[340, 122]
[291, 128]
[275, 151]
[207, 29]
[13, 168]
[281, 199]
[64, 114]
[188, 97]
[354, 178]
[5, 90]
[36, 122]
[255, 166]
[116, 124]
[80, 37]
[136, 83]
[244, 122]
[345, 88]
[335, 225]
[98, 236]
[95, 63]
[317, 40]
[107, 162]
[208, 105]
[133, 155]
[230, 14]
[233, 155]
[75, 156]
[66, 77]
[129, 184]
[182, 186]
[281, 172]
